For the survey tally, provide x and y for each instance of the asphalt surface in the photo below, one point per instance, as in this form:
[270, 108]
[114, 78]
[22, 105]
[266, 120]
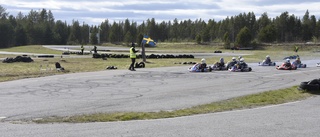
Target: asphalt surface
[157, 89]
[298, 119]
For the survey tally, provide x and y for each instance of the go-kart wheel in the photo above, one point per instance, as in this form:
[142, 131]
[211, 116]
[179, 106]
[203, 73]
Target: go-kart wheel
[309, 87]
[314, 81]
[303, 85]
[142, 65]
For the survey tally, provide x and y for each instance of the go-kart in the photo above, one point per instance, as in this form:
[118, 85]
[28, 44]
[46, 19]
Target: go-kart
[264, 63]
[230, 64]
[235, 68]
[291, 57]
[300, 65]
[197, 68]
[283, 67]
[216, 67]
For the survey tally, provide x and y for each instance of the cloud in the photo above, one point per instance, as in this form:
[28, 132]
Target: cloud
[96, 11]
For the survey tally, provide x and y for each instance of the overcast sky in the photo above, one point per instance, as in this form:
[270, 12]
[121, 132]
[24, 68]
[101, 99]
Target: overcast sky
[94, 12]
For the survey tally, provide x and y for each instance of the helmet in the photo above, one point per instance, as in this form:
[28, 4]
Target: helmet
[203, 60]
[288, 60]
[221, 60]
[267, 56]
[298, 58]
[233, 58]
[239, 57]
[242, 59]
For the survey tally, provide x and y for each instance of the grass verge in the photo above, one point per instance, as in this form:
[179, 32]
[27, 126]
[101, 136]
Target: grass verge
[20, 70]
[244, 102]
[32, 49]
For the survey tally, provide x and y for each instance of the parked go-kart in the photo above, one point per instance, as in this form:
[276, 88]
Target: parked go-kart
[197, 68]
[299, 65]
[264, 63]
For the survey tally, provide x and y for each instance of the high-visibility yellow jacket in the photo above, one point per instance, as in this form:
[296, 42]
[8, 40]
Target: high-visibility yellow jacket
[133, 53]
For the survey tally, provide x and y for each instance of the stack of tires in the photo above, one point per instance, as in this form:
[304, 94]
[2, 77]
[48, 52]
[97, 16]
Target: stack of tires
[313, 85]
[18, 59]
[140, 65]
[111, 67]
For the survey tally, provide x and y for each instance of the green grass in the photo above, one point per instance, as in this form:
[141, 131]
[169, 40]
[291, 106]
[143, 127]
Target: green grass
[14, 71]
[244, 102]
[188, 47]
[32, 49]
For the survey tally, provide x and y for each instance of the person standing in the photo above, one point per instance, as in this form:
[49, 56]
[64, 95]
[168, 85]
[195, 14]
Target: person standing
[95, 49]
[82, 49]
[133, 56]
[296, 48]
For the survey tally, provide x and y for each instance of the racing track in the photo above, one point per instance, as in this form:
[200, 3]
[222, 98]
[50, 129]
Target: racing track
[144, 90]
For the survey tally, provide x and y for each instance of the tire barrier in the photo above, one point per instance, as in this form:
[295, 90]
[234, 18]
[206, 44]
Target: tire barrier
[96, 55]
[75, 53]
[139, 65]
[218, 51]
[157, 56]
[18, 59]
[152, 56]
[185, 63]
[313, 85]
[66, 53]
[111, 67]
[45, 56]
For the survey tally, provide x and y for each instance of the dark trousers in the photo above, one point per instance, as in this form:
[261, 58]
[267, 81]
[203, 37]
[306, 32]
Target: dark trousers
[133, 60]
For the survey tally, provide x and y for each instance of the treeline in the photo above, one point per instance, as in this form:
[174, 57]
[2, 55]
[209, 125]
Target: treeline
[40, 27]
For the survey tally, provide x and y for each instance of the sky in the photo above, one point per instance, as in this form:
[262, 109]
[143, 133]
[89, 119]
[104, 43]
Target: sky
[94, 12]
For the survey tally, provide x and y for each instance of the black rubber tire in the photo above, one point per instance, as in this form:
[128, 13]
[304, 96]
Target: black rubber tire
[309, 87]
[314, 81]
[303, 85]
[142, 65]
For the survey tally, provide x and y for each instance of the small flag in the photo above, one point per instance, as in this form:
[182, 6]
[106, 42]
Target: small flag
[147, 40]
